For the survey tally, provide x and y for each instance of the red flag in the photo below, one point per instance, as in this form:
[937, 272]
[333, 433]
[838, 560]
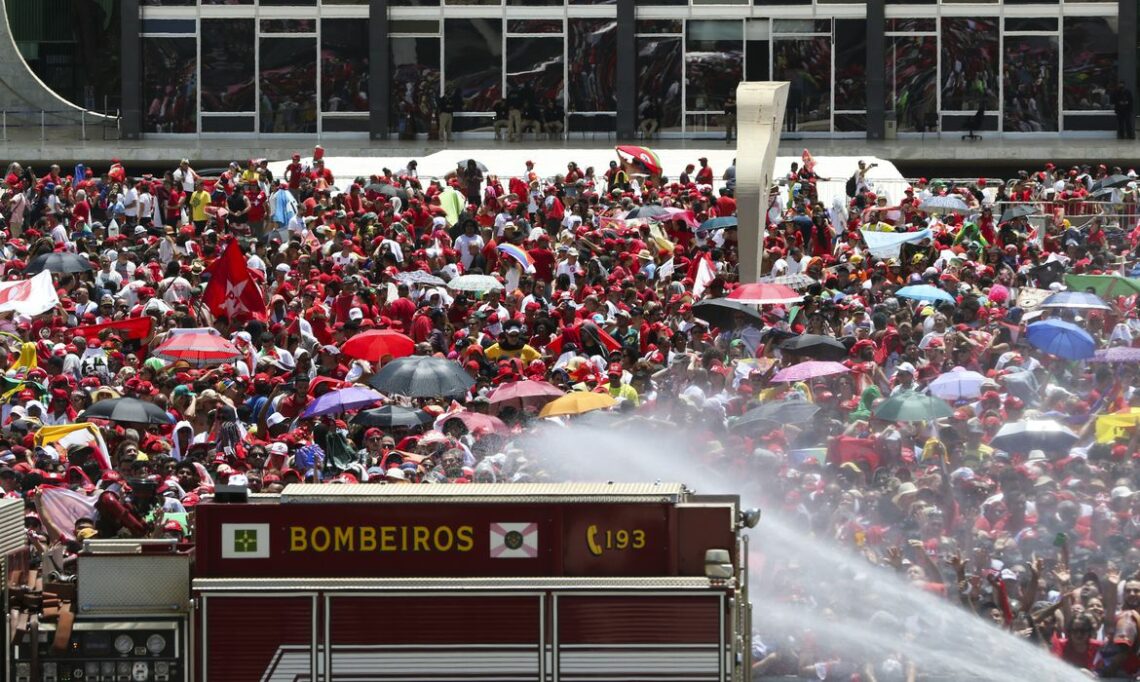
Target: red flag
[703, 273]
[232, 291]
[131, 329]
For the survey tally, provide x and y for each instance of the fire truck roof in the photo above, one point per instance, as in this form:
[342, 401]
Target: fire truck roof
[482, 492]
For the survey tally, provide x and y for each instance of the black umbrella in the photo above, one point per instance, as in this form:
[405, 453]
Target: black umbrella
[391, 416]
[719, 311]
[1111, 182]
[58, 262]
[478, 165]
[771, 415]
[647, 211]
[422, 376]
[390, 191]
[1019, 211]
[816, 346]
[130, 410]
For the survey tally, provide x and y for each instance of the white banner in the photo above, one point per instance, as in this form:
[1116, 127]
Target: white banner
[32, 297]
[889, 244]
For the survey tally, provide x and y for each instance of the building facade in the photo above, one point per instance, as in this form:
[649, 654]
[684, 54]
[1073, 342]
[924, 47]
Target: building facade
[378, 67]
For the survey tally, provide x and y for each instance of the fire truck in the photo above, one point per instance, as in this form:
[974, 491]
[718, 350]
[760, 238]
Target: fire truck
[339, 583]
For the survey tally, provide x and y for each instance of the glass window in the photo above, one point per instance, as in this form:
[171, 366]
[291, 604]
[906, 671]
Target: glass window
[850, 64]
[288, 25]
[226, 2]
[168, 3]
[659, 26]
[1030, 89]
[288, 83]
[1090, 63]
[714, 63]
[535, 64]
[806, 64]
[415, 82]
[659, 80]
[969, 64]
[593, 2]
[534, 2]
[534, 26]
[228, 124]
[473, 61]
[227, 65]
[413, 26]
[801, 26]
[344, 65]
[1031, 24]
[344, 2]
[910, 80]
[413, 3]
[187, 26]
[911, 26]
[592, 49]
[283, 3]
[170, 92]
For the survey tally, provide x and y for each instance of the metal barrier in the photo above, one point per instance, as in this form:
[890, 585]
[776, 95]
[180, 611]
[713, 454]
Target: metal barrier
[61, 124]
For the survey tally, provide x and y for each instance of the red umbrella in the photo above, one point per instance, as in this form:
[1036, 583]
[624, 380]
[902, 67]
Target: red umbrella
[521, 393]
[199, 348]
[643, 156]
[377, 344]
[765, 293]
[475, 421]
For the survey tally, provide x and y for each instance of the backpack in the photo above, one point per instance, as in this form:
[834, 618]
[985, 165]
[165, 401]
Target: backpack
[851, 186]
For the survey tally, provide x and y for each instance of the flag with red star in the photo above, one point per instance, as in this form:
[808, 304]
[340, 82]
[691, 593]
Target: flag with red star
[232, 291]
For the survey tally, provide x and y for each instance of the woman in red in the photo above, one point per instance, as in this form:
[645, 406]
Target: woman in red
[1077, 647]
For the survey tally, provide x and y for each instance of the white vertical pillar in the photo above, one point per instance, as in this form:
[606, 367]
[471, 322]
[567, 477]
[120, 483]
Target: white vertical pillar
[759, 119]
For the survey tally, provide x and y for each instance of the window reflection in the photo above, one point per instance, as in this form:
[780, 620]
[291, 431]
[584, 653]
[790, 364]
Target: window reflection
[288, 82]
[911, 69]
[850, 64]
[714, 63]
[227, 65]
[170, 92]
[415, 82]
[344, 65]
[473, 61]
[806, 64]
[1030, 94]
[592, 51]
[659, 80]
[969, 64]
[536, 63]
[1090, 63]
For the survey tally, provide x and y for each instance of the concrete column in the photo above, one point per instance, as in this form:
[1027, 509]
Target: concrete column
[379, 73]
[626, 77]
[1126, 41]
[759, 118]
[130, 69]
[876, 68]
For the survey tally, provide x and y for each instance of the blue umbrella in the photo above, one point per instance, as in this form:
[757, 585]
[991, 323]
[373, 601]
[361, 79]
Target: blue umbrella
[1074, 299]
[1060, 338]
[925, 292]
[343, 400]
[718, 223]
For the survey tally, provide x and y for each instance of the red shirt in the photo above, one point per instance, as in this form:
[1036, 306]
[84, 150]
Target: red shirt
[704, 176]
[725, 206]
[543, 260]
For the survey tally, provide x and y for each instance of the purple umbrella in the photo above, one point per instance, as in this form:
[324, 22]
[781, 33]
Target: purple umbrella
[809, 370]
[1117, 354]
[343, 400]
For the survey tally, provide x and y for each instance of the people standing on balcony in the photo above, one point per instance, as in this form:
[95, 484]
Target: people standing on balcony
[515, 106]
[650, 117]
[1123, 105]
[729, 108]
[502, 118]
[447, 104]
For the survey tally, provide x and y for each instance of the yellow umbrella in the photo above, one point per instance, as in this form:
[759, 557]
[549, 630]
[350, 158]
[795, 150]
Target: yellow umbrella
[577, 402]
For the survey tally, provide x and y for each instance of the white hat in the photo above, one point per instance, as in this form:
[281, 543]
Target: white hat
[356, 314]
[278, 448]
[283, 268]
[1121, 492]
[905, 367]
[273, 420]
[396, 474]
[1036, 455]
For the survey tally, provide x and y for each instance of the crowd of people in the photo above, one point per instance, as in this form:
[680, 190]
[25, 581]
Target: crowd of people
[611, 283]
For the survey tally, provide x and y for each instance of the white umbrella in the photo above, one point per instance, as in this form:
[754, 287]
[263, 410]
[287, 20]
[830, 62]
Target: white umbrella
[1034, 434]
[944, 204]
[476, 283]
[957, 384]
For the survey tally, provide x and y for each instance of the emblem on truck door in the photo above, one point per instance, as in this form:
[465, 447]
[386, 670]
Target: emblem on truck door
[514, 540]
[245, 540]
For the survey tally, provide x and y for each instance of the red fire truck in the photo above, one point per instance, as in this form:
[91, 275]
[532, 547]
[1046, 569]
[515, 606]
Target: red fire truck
[339, 583]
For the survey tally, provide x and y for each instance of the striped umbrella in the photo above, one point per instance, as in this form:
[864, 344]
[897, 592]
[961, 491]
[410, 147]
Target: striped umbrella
[518, 254]
[198, 348]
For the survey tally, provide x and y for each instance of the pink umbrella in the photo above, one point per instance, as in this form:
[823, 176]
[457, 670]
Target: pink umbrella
[809, 370]
[686, 215]
[475, 421]
[522, 393]
[199, 348]
[765, 293]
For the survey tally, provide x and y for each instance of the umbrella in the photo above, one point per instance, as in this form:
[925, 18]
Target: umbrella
[780, 412]
[390, 191]
[420, 277]
[1033, 434]
[1111, 182]
[422, 376]
[815, 346]
[642, 156]
[342, 400]
[1060, 338]
[763, 293]
[718, 223]
[377, 344]
[475, 421]
[925, 292]
[1018, 211]
[478, 164]
[909, 406]
[719, 311]
[949, 203]
[131, 410]
[199, 348]
[1117, 354]
[518, 254]
[60, 261]
[577, 402]
[957, 384]
[808, 370]
[648, 211]
[1074, 299]
[392, 416]
[798, 281]
[521, 393]
[475, 283]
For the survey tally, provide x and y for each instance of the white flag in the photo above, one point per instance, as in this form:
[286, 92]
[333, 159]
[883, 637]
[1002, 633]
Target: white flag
[514, 540]
[705, 275]
[32, 297]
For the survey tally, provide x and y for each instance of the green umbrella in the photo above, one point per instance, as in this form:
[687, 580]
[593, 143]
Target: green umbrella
[909, 406]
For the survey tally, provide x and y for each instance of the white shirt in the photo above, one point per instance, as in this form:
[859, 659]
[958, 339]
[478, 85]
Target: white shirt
[186, 179]
[147, 205]
[131, 203]
[463, 244]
